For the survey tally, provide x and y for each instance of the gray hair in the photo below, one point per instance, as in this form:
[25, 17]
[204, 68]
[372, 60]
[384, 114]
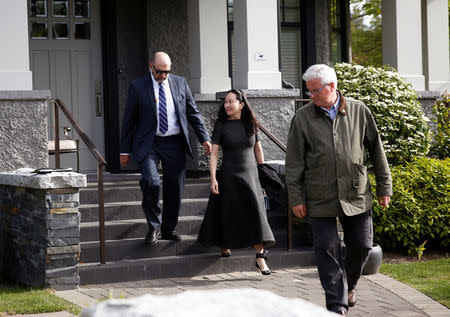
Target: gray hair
[322, 72]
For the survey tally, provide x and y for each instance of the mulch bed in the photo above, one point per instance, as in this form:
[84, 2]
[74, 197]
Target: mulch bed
[392, 256]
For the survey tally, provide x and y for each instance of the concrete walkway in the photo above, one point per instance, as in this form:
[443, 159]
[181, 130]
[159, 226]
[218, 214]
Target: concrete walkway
[378, 295]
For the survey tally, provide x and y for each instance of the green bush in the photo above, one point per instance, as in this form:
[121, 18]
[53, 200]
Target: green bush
[440, 147]
[393, 102]
[419, 209]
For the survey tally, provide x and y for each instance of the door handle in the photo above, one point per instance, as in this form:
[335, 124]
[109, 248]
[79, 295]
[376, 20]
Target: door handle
[98, 98]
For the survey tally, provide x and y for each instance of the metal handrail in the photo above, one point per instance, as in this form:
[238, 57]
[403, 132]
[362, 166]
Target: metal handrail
[100, 164]
[300, 100]
[273, 138]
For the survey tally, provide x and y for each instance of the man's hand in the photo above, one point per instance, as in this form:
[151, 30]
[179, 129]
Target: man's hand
[299, 211]
[207, 145]
[384, 201]
[124, 159]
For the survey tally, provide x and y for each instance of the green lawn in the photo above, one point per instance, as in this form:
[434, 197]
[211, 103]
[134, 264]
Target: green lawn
[16, 300]
[429, 277]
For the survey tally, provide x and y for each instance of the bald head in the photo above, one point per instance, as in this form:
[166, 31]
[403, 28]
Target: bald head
[161, 58]
[160, 66]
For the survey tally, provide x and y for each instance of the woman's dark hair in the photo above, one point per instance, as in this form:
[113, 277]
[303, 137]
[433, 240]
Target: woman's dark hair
[247, 115]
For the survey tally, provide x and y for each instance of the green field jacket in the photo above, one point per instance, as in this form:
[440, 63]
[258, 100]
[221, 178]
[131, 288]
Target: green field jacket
[326, 165]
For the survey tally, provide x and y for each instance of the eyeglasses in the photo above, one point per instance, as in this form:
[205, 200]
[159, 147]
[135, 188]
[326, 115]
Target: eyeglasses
[159, 72]
[316, 91]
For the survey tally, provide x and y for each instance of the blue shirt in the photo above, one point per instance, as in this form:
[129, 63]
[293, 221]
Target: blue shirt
[333, 109]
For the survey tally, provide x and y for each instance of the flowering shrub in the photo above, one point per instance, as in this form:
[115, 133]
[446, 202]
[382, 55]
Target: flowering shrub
[441, 144]
[393, 102]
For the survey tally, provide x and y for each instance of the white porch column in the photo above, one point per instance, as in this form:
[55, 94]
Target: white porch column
[15, 71]
[402, 40]
[256, 44]
[436, 52]
[208, 46]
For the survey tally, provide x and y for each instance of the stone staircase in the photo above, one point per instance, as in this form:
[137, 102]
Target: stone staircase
[129, 259]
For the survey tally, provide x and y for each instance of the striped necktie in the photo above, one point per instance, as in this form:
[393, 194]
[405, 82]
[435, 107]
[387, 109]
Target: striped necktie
[163, 126]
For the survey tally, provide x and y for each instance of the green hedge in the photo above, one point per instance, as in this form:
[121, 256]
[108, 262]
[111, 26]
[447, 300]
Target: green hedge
[440, 147]
[393, 102]
[419, 209]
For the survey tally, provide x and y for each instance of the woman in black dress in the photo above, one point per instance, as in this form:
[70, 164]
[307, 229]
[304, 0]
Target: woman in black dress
[236, 215]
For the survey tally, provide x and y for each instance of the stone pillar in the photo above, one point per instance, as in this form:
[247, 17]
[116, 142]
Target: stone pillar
[427, 100]
[256, 44]
[15, 71]
[436, 46]
[402, 41]
[40, 228]
[208, 46]
[23, 129]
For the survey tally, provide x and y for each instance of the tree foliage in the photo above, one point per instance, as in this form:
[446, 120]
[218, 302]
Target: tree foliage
[366, 8]
[366, 36]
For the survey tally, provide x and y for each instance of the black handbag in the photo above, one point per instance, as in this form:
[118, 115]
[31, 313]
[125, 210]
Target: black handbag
[268, 178]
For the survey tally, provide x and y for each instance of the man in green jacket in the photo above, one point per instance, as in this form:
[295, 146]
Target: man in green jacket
[326, 175]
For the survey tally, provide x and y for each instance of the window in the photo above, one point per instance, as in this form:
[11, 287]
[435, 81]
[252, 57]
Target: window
[59, 19]
[338, 31]
[39, 30]
[290, 41]
[38, 8]
[60, 9]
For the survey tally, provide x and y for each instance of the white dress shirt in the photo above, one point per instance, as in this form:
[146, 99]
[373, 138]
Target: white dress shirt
[333, 109]
[172, 120]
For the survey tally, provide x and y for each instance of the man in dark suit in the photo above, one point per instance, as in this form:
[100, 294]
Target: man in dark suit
[155, 129]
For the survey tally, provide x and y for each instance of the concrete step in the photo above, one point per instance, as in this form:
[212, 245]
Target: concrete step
[190, 265]
[134, 248]
[137, 228]
[131, 191]
[131, 246]
[134, 228]
[133, 210]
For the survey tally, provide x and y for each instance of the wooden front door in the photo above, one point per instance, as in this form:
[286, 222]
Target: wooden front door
[65, 58]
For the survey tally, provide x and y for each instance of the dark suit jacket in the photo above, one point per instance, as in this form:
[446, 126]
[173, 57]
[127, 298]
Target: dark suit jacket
[140, 123]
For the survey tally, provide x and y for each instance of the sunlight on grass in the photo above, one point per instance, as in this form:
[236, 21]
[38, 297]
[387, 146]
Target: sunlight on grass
[16, 300]
[430, 277]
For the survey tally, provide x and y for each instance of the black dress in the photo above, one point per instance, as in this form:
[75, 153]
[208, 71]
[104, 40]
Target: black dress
[236, 218]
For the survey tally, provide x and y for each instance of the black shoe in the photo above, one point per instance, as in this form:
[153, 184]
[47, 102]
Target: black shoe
[265, 257]
[152, 237]
[171, 236]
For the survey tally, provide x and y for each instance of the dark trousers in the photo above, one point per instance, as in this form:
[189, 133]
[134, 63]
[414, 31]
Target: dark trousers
[171, 152]
[339, 275]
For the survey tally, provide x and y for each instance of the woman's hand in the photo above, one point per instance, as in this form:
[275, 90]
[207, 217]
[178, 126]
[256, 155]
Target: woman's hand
[215, 187]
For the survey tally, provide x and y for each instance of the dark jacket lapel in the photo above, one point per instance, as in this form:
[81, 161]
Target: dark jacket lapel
[150, 90]
[174, 89]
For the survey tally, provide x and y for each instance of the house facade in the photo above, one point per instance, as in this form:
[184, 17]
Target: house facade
[86, 52]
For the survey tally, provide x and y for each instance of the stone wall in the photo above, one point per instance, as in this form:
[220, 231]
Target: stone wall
[40, 228]
[427, 99]
[167, 30]
[23, 129]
